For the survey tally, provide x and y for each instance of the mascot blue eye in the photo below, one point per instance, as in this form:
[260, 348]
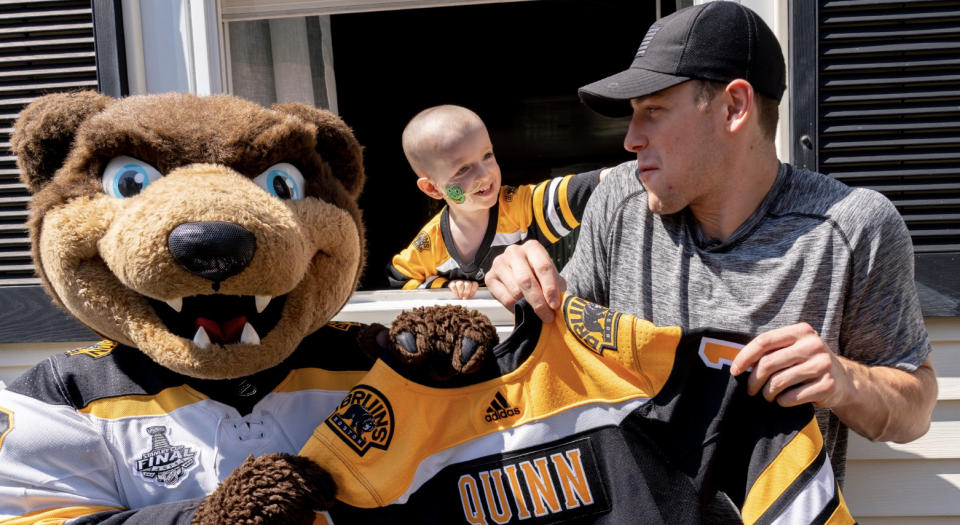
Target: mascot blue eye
[126, 177]
[282, 180]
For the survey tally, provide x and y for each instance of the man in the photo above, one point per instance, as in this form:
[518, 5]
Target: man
[707, 228]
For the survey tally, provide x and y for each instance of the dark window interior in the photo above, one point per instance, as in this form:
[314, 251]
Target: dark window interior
[518, 65]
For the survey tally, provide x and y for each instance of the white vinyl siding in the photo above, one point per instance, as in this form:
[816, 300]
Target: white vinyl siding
[916, 483]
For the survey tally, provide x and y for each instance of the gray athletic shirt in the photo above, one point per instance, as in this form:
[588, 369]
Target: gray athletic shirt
[814, 251]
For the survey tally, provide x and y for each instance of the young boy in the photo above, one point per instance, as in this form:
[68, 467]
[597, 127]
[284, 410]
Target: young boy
[450, 151]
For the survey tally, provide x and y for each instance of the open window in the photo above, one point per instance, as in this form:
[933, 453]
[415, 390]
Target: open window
[517, 64]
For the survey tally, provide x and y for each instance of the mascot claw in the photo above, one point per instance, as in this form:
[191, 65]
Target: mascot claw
[439, 342]
[271, 489]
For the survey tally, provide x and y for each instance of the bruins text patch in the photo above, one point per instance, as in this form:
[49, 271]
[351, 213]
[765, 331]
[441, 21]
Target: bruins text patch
[592, 324]
[364, 419]
[95, 350]
[422, 242]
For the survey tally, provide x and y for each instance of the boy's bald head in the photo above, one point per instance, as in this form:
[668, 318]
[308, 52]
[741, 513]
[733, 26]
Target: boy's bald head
[433, 131]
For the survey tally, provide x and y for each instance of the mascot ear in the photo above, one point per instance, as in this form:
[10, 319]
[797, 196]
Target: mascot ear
[44, 132]
[335, 143]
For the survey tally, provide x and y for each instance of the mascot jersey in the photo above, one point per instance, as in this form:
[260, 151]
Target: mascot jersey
[141, 435]
[546, 211]
[599, 417]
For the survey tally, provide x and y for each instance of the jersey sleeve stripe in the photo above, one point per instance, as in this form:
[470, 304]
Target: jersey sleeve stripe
[840, 515]
[56, 515]
[538, 201]
[579, 189]
[161, 403]
[812, 503]
[782, 474]
[551, 205]
[426, 282]
[563, 202]
[398, 279]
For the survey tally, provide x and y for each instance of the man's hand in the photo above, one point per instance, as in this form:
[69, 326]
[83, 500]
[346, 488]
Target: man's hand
[526, 270]
[793, 365]
[464, 289]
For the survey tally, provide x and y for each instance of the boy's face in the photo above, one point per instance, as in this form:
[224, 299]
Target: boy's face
[466, 174]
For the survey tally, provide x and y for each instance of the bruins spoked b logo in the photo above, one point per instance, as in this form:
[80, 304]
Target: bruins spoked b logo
[363, 419]
[594, 325]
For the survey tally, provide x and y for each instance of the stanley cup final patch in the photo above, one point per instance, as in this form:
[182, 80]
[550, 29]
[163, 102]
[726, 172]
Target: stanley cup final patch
[592, 324]
[364, 419]
[164, 463]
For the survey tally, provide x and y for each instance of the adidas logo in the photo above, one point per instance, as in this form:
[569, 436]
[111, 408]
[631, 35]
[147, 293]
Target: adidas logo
[500, 409]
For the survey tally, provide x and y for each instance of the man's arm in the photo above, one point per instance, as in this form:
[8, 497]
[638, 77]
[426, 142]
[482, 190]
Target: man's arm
[793, 365]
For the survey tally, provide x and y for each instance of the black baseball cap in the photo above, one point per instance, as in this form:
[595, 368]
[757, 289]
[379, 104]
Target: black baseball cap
[718, 41]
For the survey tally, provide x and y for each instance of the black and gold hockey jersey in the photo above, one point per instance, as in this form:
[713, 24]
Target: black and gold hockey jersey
[546, 211]
[599, 417]
[105, 435]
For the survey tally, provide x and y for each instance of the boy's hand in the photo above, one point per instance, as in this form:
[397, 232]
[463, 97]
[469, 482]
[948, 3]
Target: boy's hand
[464, 289]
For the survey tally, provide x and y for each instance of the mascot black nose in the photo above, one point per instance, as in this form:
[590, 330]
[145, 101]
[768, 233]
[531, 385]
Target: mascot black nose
[212, 250]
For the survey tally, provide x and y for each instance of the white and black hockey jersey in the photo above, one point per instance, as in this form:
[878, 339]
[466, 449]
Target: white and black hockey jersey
[599, 417]
[105, 435]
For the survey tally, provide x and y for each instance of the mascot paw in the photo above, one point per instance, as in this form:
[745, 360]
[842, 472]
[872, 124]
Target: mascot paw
[276, 488]
[438, 341]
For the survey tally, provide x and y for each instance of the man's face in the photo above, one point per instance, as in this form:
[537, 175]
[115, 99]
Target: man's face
[674, 141]
[468, 167]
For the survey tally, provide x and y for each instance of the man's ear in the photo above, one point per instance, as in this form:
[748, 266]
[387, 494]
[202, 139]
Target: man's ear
[43, 134]
[427, 186]
[739, 104]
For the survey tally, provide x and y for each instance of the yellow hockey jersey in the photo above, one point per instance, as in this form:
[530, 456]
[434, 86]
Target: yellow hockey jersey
[598, 417]
[546, 211]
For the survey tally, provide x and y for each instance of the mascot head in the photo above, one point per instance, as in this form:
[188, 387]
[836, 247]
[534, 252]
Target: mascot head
[209, 232]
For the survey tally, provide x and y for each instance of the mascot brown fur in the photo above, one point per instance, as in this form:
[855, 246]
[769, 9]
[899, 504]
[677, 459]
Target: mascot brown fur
[209, 241]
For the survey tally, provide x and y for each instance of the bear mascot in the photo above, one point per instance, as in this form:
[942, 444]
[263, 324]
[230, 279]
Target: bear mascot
[209, 241]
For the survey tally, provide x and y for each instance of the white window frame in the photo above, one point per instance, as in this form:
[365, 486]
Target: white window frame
[235, 10]
[172, 46]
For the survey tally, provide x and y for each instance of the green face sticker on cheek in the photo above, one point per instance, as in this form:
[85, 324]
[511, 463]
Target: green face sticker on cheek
[455, 193]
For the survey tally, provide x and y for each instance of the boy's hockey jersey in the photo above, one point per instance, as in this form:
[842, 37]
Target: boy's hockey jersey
[599, 417]
[105, 435]
[546, 211]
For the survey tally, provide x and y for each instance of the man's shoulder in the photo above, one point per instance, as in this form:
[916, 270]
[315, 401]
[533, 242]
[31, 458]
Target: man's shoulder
[620, 183]
[810, 193]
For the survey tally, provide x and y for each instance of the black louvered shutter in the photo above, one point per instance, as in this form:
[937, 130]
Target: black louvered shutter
[44, 47]
[883, 112]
